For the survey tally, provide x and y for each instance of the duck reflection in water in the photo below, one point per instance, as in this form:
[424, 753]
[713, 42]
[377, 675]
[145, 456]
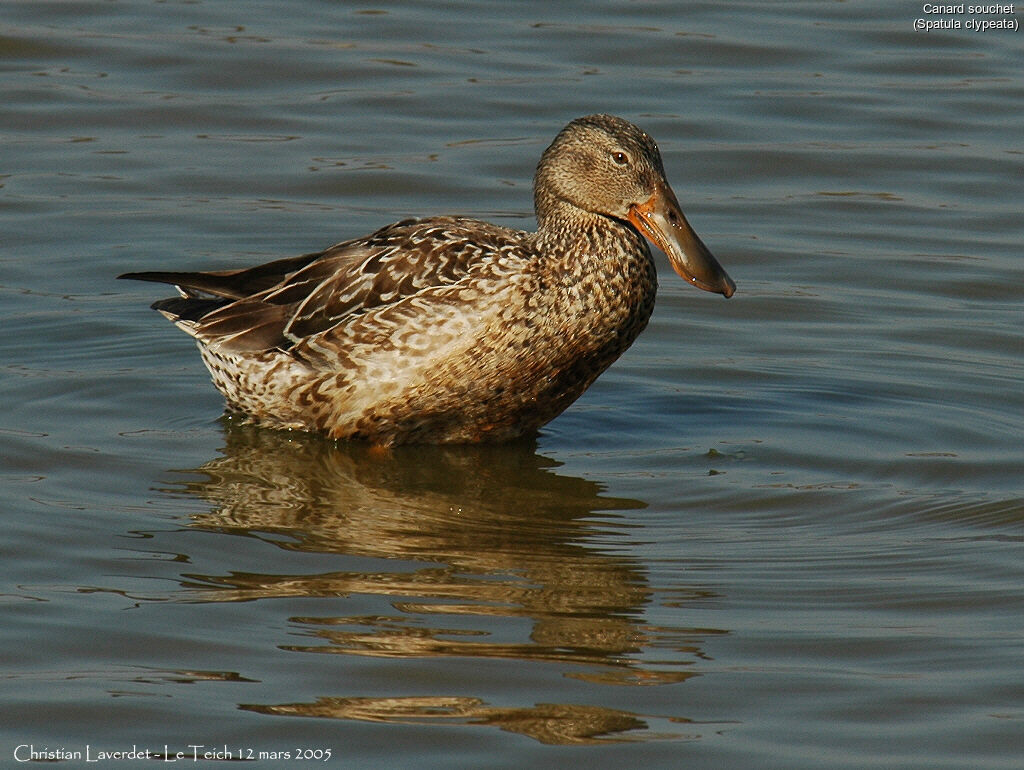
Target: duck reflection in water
[504, 536]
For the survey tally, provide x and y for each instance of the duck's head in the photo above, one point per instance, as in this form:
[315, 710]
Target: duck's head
[605, 165]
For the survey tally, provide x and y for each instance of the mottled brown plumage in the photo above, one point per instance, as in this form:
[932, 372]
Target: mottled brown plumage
[452, 330]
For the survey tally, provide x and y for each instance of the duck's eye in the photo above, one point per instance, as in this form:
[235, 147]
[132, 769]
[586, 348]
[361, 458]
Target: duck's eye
[620, 158]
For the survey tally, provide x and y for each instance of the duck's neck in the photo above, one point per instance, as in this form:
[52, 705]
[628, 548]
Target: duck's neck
[581, 237]
[595, 275]
[599, 269]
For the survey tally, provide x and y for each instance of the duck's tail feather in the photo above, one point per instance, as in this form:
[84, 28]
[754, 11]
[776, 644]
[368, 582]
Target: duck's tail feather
[228, 284]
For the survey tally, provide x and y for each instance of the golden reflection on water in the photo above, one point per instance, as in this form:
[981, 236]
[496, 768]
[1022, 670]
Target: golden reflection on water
[502, 535]
[555, 724]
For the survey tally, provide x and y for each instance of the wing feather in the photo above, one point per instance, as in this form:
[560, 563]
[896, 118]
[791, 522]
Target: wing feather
[282, 303]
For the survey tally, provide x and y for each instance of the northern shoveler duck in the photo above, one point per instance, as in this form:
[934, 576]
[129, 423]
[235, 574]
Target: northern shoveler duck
[453, 330]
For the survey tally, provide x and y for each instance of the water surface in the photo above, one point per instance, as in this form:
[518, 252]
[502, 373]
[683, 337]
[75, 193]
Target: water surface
[782, 531]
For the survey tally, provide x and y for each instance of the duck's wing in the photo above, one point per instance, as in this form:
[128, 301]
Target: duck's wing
[282, 303]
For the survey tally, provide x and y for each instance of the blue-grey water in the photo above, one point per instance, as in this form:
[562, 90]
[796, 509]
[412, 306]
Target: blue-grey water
[783, 531]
